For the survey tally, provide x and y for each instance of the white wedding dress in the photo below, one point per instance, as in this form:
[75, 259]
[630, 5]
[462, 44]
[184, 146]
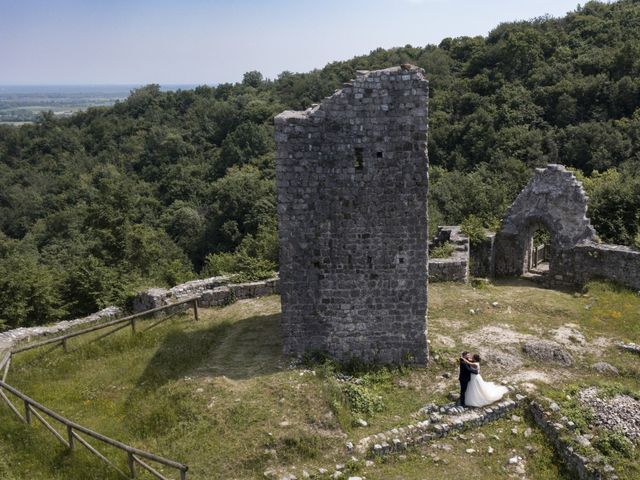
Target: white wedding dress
[480, 393]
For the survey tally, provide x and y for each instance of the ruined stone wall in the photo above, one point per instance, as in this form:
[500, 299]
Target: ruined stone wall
[210, 292]
[352, 210]
[456, 267]
[553, 199]
[597, 261]
[583, 462]
[481, 256]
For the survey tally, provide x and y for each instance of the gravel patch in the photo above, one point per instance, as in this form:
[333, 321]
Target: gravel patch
[619, 414]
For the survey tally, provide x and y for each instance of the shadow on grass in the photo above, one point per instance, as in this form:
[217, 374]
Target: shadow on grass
[529, 283]
[240, 349]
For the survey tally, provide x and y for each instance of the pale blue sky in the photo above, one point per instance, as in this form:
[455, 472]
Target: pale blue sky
[200, 41]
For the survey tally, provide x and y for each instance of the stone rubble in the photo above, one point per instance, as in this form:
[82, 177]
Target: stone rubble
[548, 417]
[619, 414]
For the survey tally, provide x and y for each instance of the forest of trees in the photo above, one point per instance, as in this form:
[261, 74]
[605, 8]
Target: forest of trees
[167, 186]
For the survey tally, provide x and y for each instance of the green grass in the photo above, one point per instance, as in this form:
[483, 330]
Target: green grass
[219, 396]
[444, 250]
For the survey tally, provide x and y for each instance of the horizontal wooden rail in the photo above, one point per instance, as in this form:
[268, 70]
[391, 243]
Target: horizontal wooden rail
[33, 408]
[134, 455]
[129, 319]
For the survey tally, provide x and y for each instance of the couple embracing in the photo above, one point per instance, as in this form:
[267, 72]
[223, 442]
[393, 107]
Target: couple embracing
[474, 391]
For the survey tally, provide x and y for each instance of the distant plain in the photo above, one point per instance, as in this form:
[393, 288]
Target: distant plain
[20, 104]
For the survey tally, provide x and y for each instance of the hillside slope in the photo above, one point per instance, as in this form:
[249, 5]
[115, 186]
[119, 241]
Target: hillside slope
[218, 394]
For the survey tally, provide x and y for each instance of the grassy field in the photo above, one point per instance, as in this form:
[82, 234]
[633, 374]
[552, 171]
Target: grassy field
[219, 396]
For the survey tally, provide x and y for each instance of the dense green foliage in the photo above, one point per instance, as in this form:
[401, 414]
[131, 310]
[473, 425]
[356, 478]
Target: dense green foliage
[165, 185]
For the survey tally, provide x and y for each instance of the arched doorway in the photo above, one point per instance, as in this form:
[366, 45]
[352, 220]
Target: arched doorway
[550, 216]
[537, 252]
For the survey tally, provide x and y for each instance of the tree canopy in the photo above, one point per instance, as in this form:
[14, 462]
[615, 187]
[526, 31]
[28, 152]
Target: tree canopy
[167, 185]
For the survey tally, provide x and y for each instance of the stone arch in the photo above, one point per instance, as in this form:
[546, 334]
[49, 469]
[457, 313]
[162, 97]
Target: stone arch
[555, 199]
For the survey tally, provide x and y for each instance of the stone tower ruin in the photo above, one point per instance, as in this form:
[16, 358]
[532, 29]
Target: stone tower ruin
[352, 210]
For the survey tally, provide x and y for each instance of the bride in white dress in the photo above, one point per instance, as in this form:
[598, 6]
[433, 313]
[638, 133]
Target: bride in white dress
[480, 393]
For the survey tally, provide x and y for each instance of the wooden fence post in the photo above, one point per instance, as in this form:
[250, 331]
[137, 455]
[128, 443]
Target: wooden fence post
[72, 440]
[64, 345]
[132, 465]
[27, 412]
[195, 309]
[133, 325]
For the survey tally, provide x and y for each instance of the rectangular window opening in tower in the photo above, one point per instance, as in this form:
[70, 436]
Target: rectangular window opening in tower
[358, 159]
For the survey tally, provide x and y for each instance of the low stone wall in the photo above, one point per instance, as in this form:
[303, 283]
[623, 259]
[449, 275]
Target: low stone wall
[448, 270]
[228, 294]
[558, 430]
[212, 293]
[11, 338]
[434, 427]
[209, 291]
[157, 297]
[614, 262]
[456, 267]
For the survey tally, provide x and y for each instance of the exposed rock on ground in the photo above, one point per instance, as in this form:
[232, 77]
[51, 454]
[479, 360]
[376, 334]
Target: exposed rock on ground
[506, 359]
[443, 341]
[605, 368]
[630, 347]
[569, 336]
[547, 351]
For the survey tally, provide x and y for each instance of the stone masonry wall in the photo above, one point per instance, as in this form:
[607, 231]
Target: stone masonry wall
[481, 256]
[157, 297]
[614, 262]
[352, 210]
[456, 267]
[209, 291]
[10, 338]
[553, 199]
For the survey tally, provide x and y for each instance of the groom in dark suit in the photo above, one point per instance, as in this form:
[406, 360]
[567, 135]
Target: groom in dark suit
[465, 375]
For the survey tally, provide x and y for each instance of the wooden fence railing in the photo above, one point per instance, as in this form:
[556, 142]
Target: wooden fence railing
[119, 323]
[32, 409]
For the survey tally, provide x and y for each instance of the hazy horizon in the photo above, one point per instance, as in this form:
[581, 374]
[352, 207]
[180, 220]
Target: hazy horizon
[196, 42]
[170, 86]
